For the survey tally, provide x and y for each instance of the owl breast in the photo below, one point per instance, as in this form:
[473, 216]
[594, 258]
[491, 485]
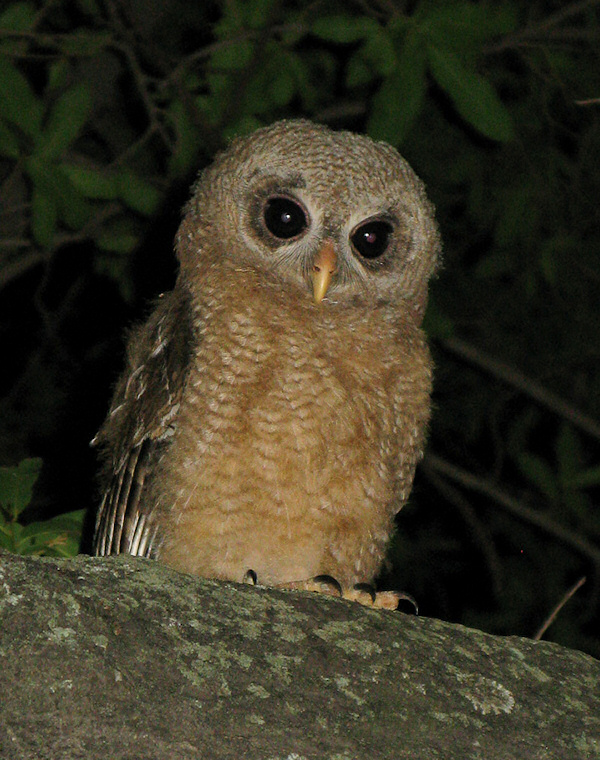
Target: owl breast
[295, 445]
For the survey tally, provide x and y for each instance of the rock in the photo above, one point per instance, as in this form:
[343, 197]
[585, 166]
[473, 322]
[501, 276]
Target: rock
[121, 657]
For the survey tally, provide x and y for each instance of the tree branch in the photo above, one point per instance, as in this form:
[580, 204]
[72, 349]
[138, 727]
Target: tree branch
[541, 27]
[514, 507]
[526, 385]
[552, 616]
[483, 539]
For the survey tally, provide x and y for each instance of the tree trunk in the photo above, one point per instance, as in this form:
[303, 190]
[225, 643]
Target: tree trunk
[124, 658]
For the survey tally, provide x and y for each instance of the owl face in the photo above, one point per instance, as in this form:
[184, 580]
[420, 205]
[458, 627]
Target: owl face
[336, 216]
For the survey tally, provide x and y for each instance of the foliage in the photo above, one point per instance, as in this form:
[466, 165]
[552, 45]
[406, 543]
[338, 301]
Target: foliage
[107, 109]
[57, 537]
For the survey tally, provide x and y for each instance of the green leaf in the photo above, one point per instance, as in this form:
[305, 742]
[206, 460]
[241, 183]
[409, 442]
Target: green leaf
[291, 35]
[496, 264]
[299, 69]
[244, 126]
[138, 194]
[187, 140]
[9, 145]
[58, 537]
[10, 532]
[378, 50]
[84, 43]
[518, 214]
[18, 17]
[90, 7]
[231, 22]
[212, 106]
[257, 14]
[589, 478]
[44, 216]
[568, 452]
[358, 72]
[232, 55]
[73, 208]
[273, 84]
[282, 87]
[436, 323]
[465, 26]
[521, 428]
[399, 100]
[318, 76]
[16, 485]
[119, 236]
[18, 104]
[376, 57]
[553, 251]
[93, 183]
[54, 197]
[69, 114]
[540, 474]
[117, 242]
[343, 29]
[115, 265]
[59, 73]
[473, 96]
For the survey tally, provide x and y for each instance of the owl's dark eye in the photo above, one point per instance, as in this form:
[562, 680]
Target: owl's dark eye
[371, 238]
[284, 218]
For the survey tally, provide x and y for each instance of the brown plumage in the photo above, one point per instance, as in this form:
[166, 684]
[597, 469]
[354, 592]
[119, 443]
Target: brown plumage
[274, 406]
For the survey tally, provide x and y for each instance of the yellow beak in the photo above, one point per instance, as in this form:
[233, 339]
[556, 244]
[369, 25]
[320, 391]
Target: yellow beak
[323, 270]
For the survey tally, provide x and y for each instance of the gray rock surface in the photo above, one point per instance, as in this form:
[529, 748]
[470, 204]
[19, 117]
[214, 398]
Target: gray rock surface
[124, 658]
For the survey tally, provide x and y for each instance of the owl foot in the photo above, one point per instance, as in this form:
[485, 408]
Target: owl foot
[362, 593]
[366, 595]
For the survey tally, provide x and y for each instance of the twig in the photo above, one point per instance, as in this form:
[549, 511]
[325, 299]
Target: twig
[528, 515]
[543, 26]
[14, 270]
[552, 616]
[571, 10]
[152, 110]
[247, 35]
[34, 256]
[525, 384]
[483, 538]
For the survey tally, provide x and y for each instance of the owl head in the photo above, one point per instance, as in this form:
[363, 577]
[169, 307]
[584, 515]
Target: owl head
[334, 216]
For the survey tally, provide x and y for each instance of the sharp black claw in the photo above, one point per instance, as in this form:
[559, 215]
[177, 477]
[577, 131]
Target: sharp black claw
[406, 600]
[250, 578]
[367, 588]
[328, 580]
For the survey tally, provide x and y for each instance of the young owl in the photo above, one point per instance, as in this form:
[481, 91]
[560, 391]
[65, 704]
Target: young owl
[275, 403]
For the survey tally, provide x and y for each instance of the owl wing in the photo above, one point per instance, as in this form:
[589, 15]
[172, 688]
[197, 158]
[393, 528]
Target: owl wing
[139, 425]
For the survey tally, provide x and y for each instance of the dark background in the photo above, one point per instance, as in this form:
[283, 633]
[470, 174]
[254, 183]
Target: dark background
[107, 111]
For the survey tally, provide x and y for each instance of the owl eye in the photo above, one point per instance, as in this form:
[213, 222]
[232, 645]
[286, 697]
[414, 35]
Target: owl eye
[284, 218]
[371, 239]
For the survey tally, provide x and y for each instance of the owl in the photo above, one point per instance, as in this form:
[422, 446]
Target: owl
[275, 403]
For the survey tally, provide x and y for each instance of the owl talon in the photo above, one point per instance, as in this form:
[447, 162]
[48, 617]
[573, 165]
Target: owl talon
[326, 584]
[250, 578]
[365, 594]
[362, 593]
[390, 600]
